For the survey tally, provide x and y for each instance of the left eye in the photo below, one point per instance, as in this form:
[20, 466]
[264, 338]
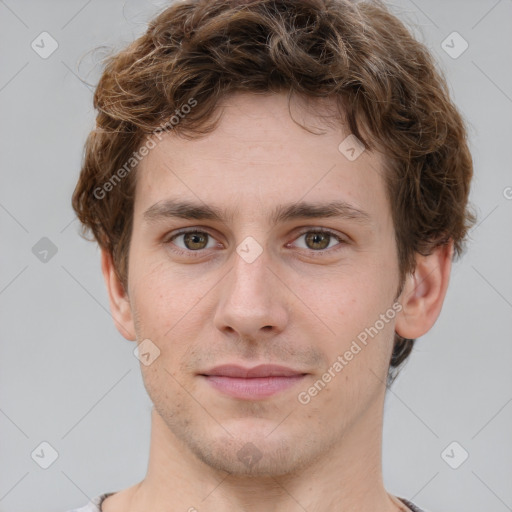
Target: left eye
[318, 240]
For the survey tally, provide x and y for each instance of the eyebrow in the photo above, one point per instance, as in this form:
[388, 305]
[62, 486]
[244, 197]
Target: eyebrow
[173, 208]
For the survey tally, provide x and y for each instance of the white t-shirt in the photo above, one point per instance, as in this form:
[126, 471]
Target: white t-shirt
[95, 504]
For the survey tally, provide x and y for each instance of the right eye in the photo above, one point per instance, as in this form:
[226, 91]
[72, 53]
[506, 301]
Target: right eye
[190, 240]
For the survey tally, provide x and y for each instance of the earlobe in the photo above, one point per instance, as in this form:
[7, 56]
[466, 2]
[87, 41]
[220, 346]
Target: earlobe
[120, 307]
[424, 292]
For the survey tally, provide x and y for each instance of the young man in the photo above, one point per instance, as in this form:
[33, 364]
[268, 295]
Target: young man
[278, 188]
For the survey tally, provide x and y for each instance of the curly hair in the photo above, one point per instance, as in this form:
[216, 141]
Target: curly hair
[385, 83]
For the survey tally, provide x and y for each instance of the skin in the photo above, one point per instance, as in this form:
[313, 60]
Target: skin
[296, 305]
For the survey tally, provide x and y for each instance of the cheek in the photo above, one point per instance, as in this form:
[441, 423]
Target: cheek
[158, 295]
[352, 309]
[350, 303]
[169, 311]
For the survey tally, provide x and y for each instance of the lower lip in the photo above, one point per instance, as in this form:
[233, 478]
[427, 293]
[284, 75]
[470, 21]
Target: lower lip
[254, 388]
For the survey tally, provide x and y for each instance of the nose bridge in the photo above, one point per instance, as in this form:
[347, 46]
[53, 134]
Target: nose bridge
[250, 300]
[249, 276]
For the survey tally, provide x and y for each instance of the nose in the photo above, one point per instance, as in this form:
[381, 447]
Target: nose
[252, 300]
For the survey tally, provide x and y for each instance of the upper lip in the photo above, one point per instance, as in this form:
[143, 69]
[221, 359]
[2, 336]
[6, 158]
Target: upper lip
[262, 370]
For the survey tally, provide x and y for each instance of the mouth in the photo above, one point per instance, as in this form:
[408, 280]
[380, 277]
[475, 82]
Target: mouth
[252, 383]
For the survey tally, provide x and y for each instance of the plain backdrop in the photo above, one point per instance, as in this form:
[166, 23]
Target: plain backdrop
[68, 378]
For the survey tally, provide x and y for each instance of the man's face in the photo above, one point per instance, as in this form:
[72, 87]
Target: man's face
[255, 288]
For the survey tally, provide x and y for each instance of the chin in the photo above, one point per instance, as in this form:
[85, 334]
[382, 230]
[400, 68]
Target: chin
[255, 451]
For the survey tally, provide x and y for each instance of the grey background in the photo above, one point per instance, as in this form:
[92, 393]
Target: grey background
[68, 378]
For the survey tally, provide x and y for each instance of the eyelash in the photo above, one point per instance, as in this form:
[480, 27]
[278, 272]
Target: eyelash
[200, 252]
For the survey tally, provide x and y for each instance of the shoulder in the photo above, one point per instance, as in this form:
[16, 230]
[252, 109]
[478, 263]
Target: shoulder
[412, 506]
[94, 505]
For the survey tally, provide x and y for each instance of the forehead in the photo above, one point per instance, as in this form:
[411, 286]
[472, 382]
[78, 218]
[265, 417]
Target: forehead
[259, 156]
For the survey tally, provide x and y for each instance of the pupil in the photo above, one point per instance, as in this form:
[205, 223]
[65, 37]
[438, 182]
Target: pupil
[194, 239]
[316, 238]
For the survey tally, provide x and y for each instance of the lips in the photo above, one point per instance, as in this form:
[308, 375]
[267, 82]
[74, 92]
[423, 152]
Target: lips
[254, 383]
[263, 370]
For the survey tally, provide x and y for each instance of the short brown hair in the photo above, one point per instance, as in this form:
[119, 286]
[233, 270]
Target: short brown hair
[389, 93]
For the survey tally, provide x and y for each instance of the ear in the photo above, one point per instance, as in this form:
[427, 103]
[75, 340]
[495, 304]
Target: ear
[424, 292]
[119, 302]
